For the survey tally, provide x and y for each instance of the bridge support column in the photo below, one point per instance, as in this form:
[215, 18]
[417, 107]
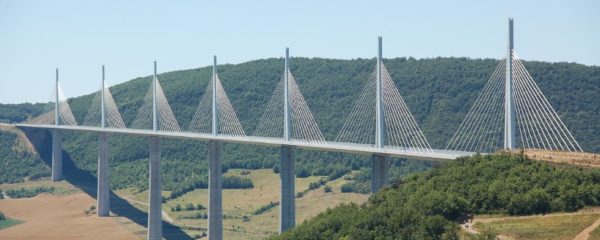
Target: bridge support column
[56, 156]
[509, 107]
[287, 204]
[154, 212]
[379, 172]
[215, 199]
[103, 200]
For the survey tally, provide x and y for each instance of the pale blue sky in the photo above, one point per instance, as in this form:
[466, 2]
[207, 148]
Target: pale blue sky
[79, 36]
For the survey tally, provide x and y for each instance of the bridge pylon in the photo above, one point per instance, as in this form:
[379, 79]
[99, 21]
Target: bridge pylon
[215, 197]
[509, 108]
[154, 188]
[103, 189]
[379, 164]
[511, 112]
[56, 138]
[287, 206]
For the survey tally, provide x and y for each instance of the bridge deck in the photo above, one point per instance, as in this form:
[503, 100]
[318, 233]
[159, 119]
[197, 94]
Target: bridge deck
[392, 151]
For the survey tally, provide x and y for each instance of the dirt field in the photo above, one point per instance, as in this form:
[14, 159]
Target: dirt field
[59, 217]
[575, 158]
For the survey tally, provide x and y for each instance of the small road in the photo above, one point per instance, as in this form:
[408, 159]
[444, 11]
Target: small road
[585, 234]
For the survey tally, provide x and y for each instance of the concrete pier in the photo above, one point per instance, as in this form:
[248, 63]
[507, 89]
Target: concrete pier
[215, 199]
[379, 172]
[154, 212]
[103, 204]
[287, 204]
[56, 156]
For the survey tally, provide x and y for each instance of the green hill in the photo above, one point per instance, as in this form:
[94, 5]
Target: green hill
[439, 92]
[428, 205]
[16, 160]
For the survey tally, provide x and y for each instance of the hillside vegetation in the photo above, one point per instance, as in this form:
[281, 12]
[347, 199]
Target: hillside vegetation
[13, 113]
[438, 91]
[16, 162]
[427, 205]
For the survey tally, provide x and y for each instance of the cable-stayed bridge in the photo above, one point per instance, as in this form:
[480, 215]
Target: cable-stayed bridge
[510, 112]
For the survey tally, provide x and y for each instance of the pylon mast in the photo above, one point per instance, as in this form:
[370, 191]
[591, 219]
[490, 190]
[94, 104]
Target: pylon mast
[379, 141]
[509, 108]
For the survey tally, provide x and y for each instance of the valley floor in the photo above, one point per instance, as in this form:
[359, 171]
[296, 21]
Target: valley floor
[50, 217]
[60, 215]
[239, 205]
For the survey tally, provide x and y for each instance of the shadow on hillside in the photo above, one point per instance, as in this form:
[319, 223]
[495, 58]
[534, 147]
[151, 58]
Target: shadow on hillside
[42, 141]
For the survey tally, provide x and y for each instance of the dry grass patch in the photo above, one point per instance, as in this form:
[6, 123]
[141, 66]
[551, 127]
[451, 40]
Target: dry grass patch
[595, 235]
[238, 203]
[555, 227]
[575, 158]
[51, 217]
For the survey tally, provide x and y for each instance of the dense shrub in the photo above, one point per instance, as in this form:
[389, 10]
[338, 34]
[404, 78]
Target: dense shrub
[188, 207]
[317, 184]
[235, 182]
[193, 216]
[302, 172]
[427, 205]
[265, 208]
[27, 192]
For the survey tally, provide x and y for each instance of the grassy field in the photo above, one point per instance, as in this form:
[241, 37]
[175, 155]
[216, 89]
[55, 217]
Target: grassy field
[555, 227]
[239, 205]
[595, 235]
[60, 187]
[9, 223]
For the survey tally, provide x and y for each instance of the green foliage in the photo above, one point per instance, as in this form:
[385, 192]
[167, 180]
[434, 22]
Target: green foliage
[188, 207]
[28, 192]
[18, 163]
[327, 188]
[13, 113]
[302, 172]
[427, 205]
[201, 182]
[534, 201]
[235, 182]
[177, 208]
[196, 215]
[265, 208]
[317, 184]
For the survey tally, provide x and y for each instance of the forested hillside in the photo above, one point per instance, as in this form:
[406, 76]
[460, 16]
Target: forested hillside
[13, 113]
[17, 162]
[428, 205]
[438, 91]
